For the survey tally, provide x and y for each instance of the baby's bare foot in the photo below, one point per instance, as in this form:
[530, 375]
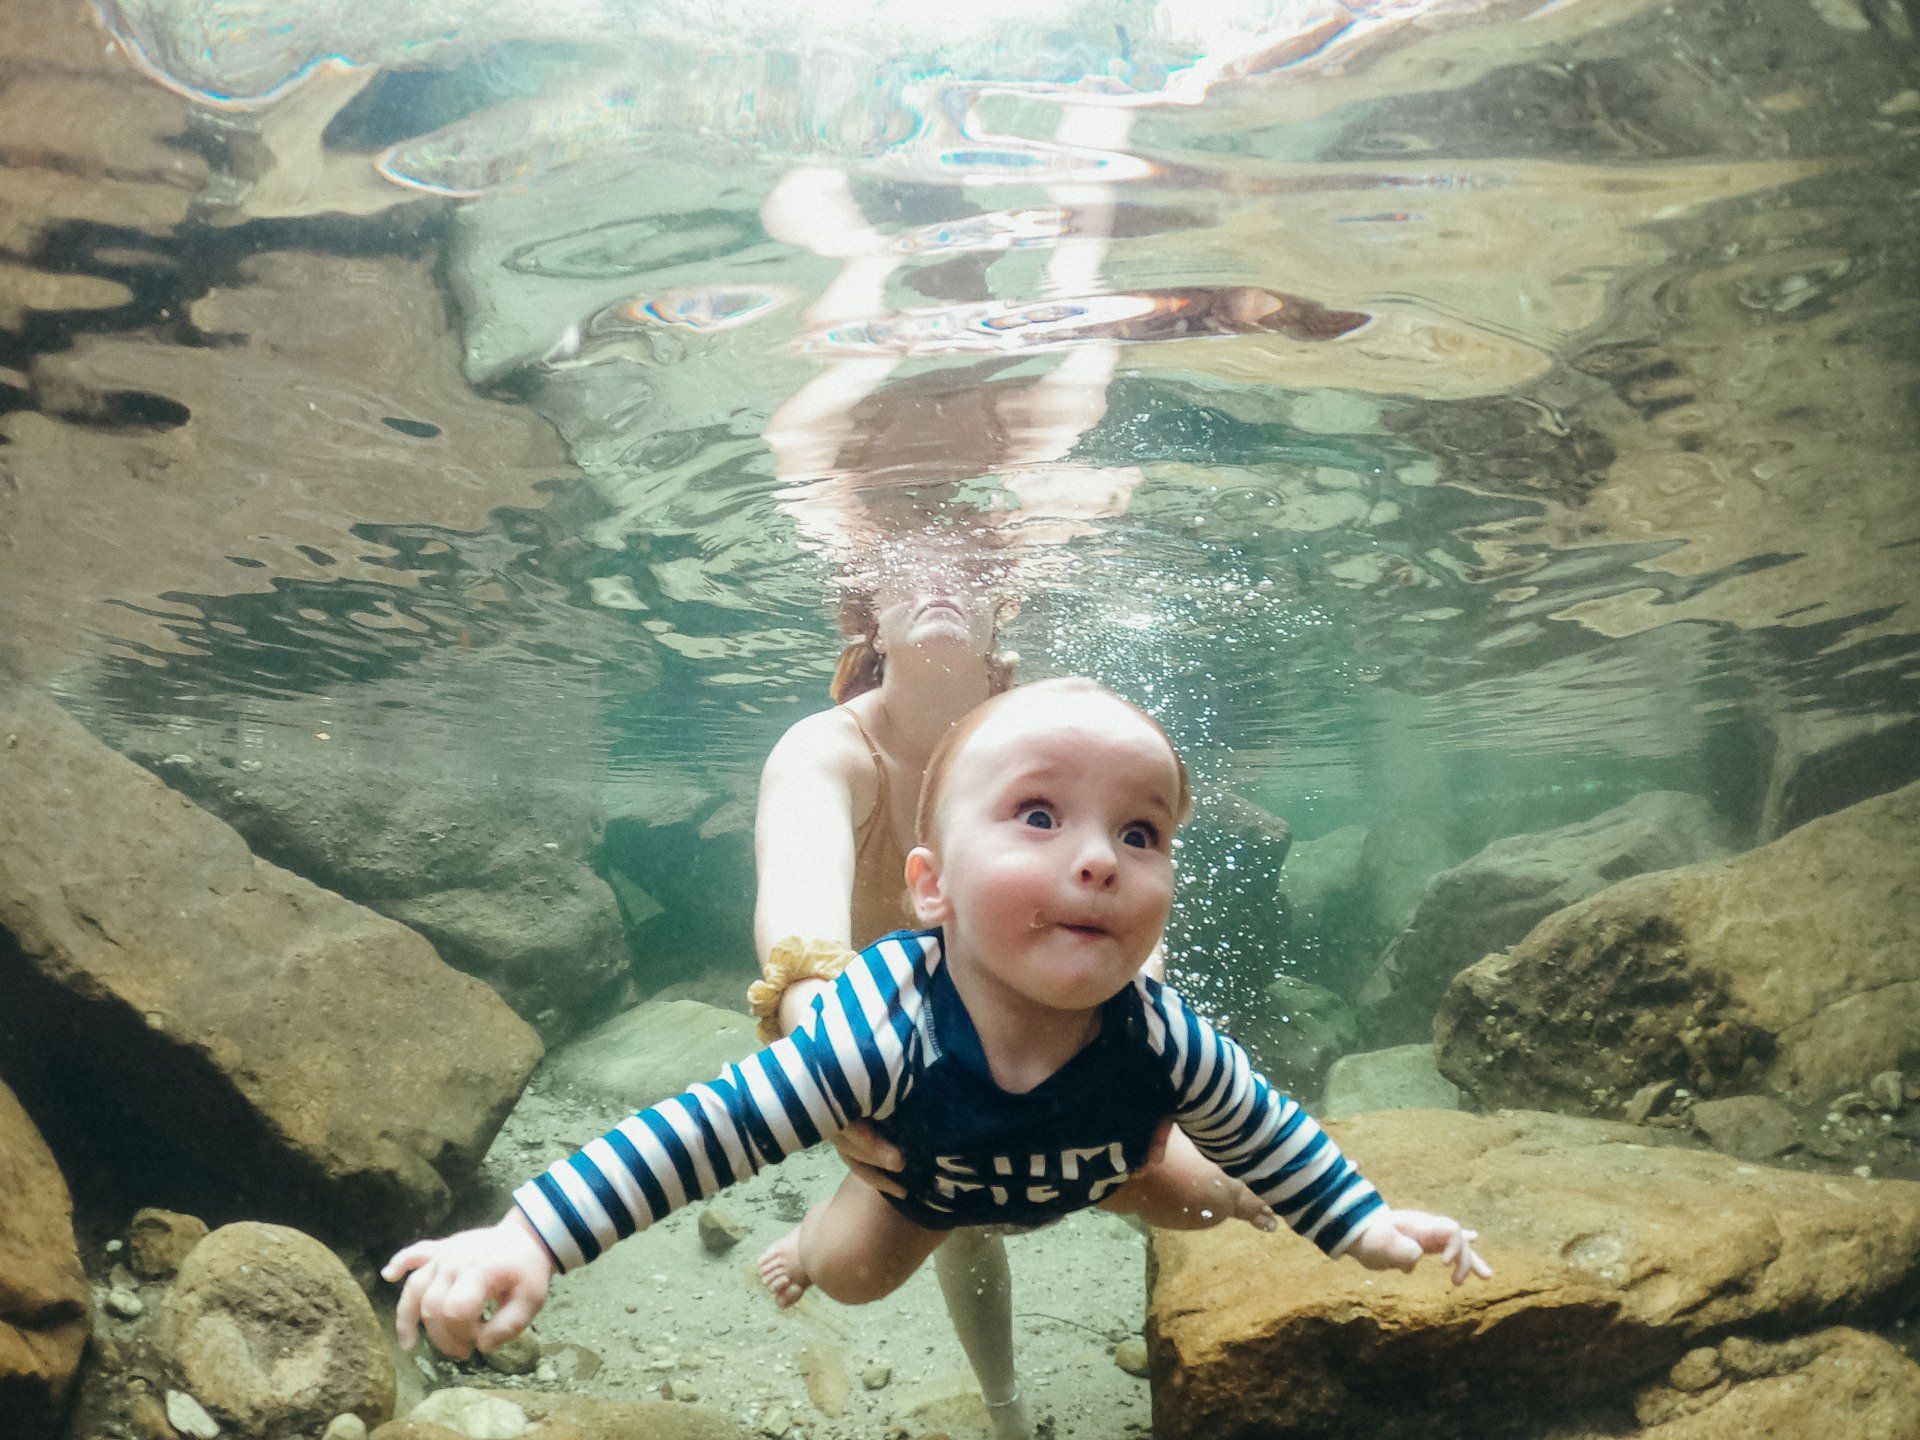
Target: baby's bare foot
[782, 1273]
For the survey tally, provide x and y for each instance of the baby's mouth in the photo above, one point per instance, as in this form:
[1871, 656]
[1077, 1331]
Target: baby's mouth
[1087, 930]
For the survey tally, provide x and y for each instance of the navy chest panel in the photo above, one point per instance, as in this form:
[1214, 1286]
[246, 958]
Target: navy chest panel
[979, 1156]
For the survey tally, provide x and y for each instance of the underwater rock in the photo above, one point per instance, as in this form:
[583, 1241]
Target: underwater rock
[1751, 1127]
[1297, 1032]
[651, 1052]
[267, 1329]
[518, 1356]
[1612, 1259]
[1823, 762]
[689, 858]
[490, 863]
[43, 1289]
[1401, 1078]
[1348, 892]
[159, 1241]
[1839, 1384]
[720, 1229]
[480, 1414]
[216, 1029]
[1488, 902]
[1323, 877]
[1706, 974]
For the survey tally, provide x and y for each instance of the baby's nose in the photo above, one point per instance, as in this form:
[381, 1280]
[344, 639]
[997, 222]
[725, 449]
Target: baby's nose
[1098, 867]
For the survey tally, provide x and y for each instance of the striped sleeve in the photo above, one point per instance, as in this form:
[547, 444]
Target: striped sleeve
[843, 1065]
[1252, 1131]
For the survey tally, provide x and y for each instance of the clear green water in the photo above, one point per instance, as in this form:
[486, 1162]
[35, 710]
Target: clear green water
[1506, 411]
[1615, 468]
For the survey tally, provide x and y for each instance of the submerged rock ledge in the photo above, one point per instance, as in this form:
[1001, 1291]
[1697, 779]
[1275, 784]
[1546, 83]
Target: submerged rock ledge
[1614, 1260]
[223, 1033]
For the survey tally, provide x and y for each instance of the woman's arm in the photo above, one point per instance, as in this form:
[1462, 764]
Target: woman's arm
[803, 836]
[803, 855]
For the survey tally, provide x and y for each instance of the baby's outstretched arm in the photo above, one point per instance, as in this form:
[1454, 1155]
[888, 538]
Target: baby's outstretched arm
[1396, 1239]
[450, 1281]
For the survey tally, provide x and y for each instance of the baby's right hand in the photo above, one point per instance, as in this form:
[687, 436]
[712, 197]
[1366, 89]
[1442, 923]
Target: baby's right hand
[449, 1281]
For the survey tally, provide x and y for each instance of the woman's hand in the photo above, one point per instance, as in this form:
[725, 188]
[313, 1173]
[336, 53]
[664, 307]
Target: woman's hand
[866, 1152]
[450, 1281]
[1396, 1239]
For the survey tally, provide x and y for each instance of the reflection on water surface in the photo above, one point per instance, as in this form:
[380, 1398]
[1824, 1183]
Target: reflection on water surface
[1456, 420]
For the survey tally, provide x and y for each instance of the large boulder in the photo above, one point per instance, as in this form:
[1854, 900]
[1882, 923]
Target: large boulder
[1838, 1383]
[651, 1052]
[267, 1330]
[220, 1032]
[1348, 892]
[1296, 1031]
[1403, 1077]
[411, 812]
[1612, 1260]
[1793, 969]
[1488, 902]
[43, 1290]
[1823, 762]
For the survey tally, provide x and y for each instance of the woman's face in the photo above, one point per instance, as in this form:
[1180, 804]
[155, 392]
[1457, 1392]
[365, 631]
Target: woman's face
[934, 610]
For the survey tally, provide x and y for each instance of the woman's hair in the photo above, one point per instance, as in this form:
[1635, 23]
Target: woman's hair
[942, 759]
[861, 666]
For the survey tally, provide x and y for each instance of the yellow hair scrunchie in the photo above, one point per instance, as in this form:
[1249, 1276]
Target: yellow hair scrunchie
[790, 961]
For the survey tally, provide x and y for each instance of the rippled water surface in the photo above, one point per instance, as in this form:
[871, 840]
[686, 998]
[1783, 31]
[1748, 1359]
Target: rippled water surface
[433, 437]
[1477, 412]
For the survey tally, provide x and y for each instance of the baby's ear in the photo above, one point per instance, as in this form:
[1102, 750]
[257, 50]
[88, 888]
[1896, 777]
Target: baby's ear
[930, 905]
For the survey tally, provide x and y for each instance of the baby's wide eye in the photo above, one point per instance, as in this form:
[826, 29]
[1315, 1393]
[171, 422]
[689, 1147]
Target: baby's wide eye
[1036, 815]
[1140, 835]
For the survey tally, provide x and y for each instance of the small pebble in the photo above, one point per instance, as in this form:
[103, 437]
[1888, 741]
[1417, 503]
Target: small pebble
[346, 1427]
[114, 1247]
[1865, 1172]
[1131, 1355]
[125, 1304]
[876, 1376]
[774, 1422]
[189, 1417]
[546, 1373]
[720, 1230]
[518, 1356]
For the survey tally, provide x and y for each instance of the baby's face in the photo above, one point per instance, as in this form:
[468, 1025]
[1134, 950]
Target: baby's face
[1053, 846]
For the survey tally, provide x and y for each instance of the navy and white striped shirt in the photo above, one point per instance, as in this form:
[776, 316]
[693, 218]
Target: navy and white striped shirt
[892, 1044]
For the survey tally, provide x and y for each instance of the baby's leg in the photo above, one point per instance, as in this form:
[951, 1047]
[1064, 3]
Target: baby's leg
[854, 1246]
[1186, 1191]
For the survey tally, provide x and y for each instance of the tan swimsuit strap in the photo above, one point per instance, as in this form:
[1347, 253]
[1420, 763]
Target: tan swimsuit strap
[880, 820]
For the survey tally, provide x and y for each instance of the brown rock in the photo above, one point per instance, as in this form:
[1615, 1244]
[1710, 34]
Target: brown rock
[1493, 899]
[824, 1370]
[43, 1290]
[1612, 1259]
[266, 1328]
[232, 1029]
[159, 1240]
[1704, 973]
[1823, 762]
[576, 1417]
[1751, 1127]
[720, 1229]
[1837, 1384]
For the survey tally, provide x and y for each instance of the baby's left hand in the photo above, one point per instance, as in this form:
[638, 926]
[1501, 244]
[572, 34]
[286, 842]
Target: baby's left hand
[1396, 1239]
